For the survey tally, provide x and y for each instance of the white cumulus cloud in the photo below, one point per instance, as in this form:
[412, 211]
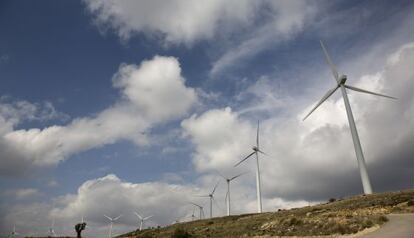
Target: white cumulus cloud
[153, 92]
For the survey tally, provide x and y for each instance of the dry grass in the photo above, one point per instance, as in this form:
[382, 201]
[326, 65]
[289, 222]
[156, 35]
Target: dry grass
[344, 216]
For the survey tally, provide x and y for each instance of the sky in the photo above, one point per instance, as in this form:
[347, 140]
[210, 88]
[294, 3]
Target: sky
[111, 107]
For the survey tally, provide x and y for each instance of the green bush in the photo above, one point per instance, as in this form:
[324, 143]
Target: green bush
[181, 233]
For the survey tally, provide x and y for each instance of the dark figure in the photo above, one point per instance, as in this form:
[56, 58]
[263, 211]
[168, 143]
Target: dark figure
[79, 228]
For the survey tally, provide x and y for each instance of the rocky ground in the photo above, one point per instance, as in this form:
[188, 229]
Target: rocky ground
[345, 216]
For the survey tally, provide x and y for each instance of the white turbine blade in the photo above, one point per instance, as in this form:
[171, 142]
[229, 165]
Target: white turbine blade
[108, 217]
[202, 196]
[257, 134]
[214, 189]
[227, 194]
[329, 61]
[241, 161]
[196, 205]
[366, 91]
[139, 216]
[238, 175]
[262, 152]
[221, 175]
[148, 217]
[326, 96]
[116, 218]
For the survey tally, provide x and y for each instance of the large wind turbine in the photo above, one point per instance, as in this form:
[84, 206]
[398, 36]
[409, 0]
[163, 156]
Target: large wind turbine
[111, 220]
[142, 219]
[256, 151]
[201, 210]
[211, 196]
[228, 180]
[340, 83]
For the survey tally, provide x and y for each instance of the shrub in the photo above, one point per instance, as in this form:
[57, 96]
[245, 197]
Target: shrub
[410, 203]
[181, 233]
[331, 200]
[383, 219]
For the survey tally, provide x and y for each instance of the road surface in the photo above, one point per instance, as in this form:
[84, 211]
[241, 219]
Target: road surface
[399, 226]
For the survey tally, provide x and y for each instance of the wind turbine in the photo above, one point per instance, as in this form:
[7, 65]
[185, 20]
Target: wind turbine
[52, 229]
[256, 151]
[111, 223]
[201, 210]
[340, 83]
[142, 219]
[13, 233]
[228, 180]
[211, 196]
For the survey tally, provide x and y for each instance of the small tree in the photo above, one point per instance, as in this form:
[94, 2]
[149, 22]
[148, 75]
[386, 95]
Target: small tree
[79, 228]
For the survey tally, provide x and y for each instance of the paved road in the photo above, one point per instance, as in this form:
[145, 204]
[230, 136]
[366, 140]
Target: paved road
[399, 226]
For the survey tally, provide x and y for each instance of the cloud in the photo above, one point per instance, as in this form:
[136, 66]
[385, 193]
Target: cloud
[172, 21]
[152, 92]
[286, 19]
[23, 193]
[4, 59]
[109, 195]
[309, 159]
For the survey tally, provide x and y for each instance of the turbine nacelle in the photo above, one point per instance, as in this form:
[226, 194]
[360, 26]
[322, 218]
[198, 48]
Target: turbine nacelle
[342, 79]
[255, 148]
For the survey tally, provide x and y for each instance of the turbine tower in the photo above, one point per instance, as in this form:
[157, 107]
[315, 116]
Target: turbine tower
[256, 151]
[227, 199]
[142, 219]
[111, 220]
[201, 210]
[52, 229]
[340, 83]
[211, 196]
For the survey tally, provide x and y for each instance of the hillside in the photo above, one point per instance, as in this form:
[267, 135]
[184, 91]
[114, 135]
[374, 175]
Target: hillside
[344, 216]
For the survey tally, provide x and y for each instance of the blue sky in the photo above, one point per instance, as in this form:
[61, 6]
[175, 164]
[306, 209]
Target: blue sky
[83, 100]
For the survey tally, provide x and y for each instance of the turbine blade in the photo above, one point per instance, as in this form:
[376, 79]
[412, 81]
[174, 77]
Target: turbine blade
[238, 175]
[241, 161]
[116, 218]
[139, 216]
[329, 61]
[214, 189]
[262, 152]
[202, 196]
[366, 91]
[221, 175]
[225, 198]
[257, 134]
[148, 217]
[196, 205]
[108, 217]
[326, 96]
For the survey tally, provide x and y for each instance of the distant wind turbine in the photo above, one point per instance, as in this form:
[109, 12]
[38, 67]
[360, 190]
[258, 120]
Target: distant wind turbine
[256, 151]
[142, 219]
[13, 233]
[201, 210]
[52, 232]
[228, 180]
[211, 196]
[111, 220]
[340, 83]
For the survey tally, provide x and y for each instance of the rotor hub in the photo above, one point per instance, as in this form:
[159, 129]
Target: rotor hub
[342, 79]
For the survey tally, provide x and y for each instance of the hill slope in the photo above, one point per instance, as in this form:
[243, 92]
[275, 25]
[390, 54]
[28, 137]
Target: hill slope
[345, 216]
